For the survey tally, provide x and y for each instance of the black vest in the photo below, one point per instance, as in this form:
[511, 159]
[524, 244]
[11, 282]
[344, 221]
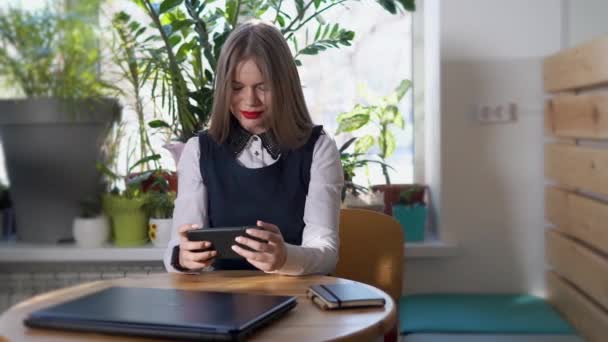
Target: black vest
[239, 196]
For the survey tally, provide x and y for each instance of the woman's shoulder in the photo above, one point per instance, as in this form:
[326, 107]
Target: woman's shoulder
[325, 147]
[192, 147]
[193, 141]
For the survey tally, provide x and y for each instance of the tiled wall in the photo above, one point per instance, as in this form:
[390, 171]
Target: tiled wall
[19, 282]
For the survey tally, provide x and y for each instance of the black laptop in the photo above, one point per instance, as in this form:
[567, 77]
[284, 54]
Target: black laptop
[165, 313]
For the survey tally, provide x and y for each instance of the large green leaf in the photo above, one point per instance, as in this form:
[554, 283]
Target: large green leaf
[408, 5]
[403, 88]
[364, 144]
[158, 124]
[174, 40]
[327, 36]
[388, 5]
[359, 109]
[167, 5]
[352, 123]
[387, 143]
[231, 8]
[143, 160]
[347, 144]
[281, 20]
[300, 7]
[399, 120]
[392, 5]
[387, 114]
[181, 24]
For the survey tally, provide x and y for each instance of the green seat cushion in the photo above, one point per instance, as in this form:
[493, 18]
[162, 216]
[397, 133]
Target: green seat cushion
[479, 313]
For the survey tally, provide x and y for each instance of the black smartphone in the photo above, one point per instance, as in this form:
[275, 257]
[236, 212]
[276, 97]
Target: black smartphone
[222, 239]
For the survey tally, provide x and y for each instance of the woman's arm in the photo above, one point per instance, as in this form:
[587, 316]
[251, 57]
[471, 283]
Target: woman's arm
[320, 242]
[191, 201]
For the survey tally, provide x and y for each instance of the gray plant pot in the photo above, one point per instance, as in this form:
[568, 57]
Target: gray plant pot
[51, 148]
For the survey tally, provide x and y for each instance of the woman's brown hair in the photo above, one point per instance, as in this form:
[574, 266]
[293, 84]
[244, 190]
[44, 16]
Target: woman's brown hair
[287, 118]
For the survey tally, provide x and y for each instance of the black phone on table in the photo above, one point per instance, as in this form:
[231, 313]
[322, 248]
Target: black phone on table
[222, 239]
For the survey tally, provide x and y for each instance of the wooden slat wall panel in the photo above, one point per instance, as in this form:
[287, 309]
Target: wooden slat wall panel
[588, 221]
[580, 265]
[577, 167]
[578, 216]
[584, 65]
[556, 206]
[588, 318]
[578, 246]
[578, 116]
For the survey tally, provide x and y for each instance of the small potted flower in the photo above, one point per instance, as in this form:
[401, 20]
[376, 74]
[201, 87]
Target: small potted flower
[411, 212]
[91, 229]
[159, 205]
[125, 207]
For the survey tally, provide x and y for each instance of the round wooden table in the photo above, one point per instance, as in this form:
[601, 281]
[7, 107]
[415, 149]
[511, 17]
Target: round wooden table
[306, 322]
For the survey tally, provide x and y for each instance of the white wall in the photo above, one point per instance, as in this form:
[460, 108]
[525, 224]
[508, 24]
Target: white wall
[584, 20]
[491, 196]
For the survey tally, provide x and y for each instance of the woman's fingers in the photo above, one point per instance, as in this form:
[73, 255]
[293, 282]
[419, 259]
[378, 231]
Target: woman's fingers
[201, 256]
[268, 226]
[187, 257]
[184, 228]
[250, 255]
[265, 235]
[194, 245]
[261, 247]
[197, 260]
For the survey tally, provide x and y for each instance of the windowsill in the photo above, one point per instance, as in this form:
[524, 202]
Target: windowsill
[12, 252]
[430, 249]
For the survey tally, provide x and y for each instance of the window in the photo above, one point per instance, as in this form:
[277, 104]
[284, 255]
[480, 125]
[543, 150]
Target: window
[379, 59]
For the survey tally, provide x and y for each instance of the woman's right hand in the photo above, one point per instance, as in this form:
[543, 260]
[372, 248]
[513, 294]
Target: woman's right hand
[188, 257]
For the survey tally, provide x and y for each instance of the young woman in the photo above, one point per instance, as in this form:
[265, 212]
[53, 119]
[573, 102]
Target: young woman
[262, 163]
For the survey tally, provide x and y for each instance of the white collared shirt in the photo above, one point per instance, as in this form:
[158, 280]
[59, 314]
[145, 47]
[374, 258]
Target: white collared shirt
[320, 242]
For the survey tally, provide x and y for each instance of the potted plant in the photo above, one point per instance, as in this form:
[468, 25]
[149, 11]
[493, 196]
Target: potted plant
[159, 205]
[91, 229]
[355, 195]
[128, 218]
[51, 133]
[411, 212]
[124, 203]
[383, 114]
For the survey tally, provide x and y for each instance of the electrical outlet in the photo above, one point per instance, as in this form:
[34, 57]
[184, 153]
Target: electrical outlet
[493, 114]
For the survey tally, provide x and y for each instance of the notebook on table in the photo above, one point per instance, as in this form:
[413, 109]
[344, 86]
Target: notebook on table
[164, 313]
[339, 296]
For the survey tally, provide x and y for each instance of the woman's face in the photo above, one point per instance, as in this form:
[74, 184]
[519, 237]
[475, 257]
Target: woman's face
[250, 97]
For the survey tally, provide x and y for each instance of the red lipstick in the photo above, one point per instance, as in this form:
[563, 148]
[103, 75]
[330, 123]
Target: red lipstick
[251, 115]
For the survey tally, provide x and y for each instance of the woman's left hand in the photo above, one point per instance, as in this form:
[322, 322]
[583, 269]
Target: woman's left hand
[267, 257]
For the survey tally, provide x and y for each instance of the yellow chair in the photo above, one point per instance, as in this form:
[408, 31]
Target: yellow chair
[371, 250]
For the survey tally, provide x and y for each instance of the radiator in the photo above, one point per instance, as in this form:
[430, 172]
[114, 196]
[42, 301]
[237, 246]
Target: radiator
[16, 286]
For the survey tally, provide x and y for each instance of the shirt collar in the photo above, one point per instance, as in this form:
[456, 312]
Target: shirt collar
[239, 137]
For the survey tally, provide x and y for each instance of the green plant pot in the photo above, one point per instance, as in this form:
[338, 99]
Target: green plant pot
[412, 220]
[128, 219]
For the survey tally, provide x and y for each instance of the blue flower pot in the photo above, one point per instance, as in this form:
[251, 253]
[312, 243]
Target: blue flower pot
[412, 220]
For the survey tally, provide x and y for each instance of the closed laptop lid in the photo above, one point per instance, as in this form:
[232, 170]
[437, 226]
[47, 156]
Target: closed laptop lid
[165, 309]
